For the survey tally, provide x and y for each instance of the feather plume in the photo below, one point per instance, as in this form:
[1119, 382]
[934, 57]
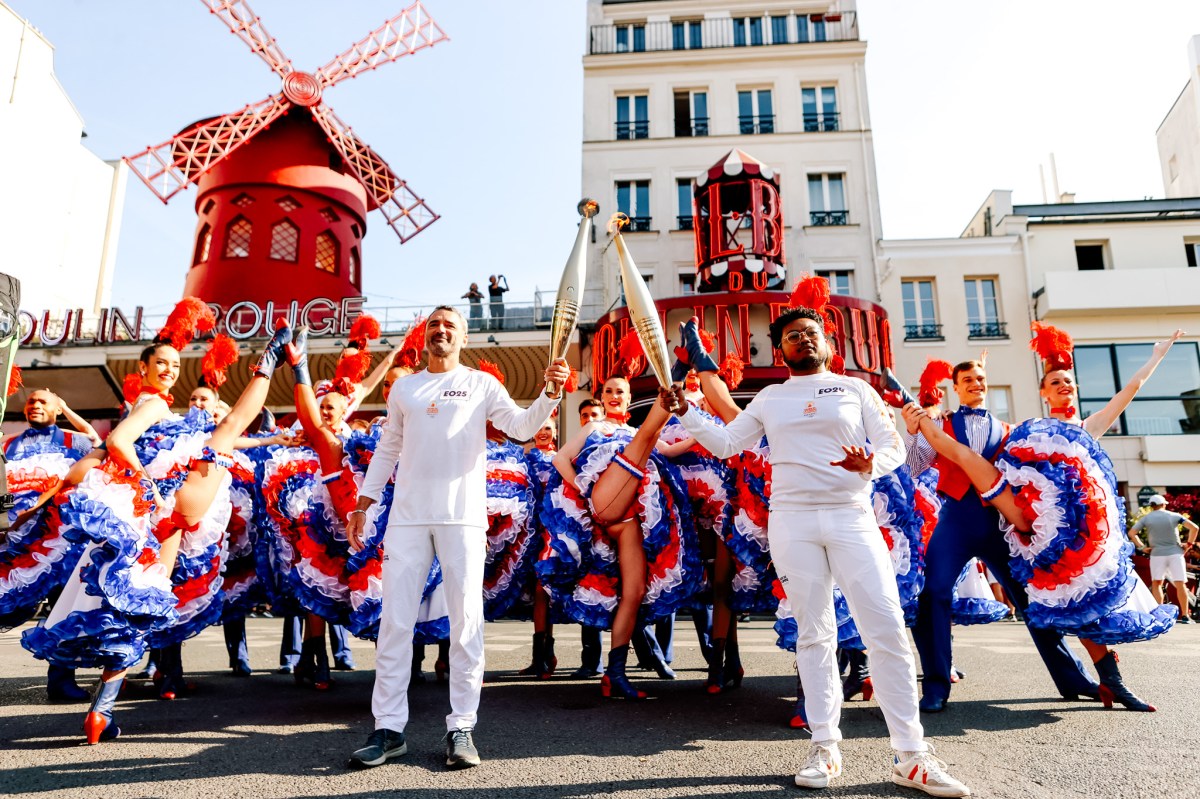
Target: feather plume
[837, 364]
[413, 346]
[936, 371]
[131, 387]
[353, 365]
[731, 370]
[363, 331]
[811, 292]
[491, 369]
[15, 382]
[1053, 345]
[572, 384]
[221, 354]
[708, 340]
[632, 355]
[188, 318]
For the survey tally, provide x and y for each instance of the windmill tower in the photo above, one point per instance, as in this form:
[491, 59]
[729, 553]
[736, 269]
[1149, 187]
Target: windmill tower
[284, 185]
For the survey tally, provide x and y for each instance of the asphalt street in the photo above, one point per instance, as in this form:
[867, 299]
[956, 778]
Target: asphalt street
[1006, 733]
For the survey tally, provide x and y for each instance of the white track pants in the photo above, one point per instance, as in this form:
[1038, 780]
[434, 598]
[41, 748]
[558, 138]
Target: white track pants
[811, 550]
[409, 552]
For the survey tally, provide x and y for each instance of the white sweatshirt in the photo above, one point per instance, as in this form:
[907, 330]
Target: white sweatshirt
[807, 421]
[435, 438]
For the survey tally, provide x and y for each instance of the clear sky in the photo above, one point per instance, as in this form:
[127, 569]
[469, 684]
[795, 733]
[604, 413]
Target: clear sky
[965, 97]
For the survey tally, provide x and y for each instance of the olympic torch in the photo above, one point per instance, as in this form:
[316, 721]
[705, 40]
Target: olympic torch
[642, 312]
[570, 290]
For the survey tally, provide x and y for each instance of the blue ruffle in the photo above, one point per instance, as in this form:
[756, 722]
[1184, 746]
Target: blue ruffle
[96, 639]
[430, 632]
[900, 493]
[1128, 626]
[508, 570]
[18, 604]
[973, 610]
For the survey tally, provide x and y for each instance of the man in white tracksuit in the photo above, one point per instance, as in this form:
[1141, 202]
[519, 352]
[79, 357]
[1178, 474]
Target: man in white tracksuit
[822, 529]
[435, 440]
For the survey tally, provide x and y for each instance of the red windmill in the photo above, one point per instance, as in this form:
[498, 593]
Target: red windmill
[284, 184]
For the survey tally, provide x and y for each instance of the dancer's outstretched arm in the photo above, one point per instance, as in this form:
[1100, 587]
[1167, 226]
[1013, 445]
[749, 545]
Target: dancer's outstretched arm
[1099, 422]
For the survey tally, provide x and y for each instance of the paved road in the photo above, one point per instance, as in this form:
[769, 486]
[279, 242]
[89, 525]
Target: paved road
[1005, 734]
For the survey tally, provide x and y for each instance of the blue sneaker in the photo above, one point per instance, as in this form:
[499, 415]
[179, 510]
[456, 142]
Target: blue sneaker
[381, 746]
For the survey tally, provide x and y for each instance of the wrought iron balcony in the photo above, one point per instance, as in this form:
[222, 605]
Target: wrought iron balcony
[828, 218]
[638, 224]
[685, 222]
[821, 123]
[923, 333]
[987, 330]
[633, 130]
[729, 32]
[750, 125]
[696, 126]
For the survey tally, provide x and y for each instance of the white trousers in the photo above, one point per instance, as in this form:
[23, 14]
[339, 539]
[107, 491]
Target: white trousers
[408, 554]
[812, 550]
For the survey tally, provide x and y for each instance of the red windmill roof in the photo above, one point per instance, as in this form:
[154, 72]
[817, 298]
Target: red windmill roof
[738, 163]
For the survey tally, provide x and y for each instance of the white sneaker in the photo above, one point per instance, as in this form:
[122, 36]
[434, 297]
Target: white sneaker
[823, 764]
[923, 771]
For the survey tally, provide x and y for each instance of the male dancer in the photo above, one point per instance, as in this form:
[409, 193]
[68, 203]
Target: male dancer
[822, 529]
[435, 439]
[969, 529]
[42, 409]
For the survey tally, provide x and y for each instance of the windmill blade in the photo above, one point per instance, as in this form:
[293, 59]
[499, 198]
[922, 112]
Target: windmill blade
[248, 27]
[404, 34]
[169, 167]
[406, 213]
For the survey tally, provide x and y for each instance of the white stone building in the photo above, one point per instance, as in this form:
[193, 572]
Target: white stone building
[60, 211]
[671, 86]
[1179, 134]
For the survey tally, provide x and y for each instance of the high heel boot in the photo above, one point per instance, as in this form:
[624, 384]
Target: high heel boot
[271, 354]
[98, 724]
[716, 667]
[733, 665]
[858, 679]
[538, 666]
[61, 685]
[614, 684]
[548, 659]
[1112, 687]
[170, 666]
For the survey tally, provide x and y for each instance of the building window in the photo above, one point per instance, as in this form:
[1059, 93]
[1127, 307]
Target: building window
[243, 200]
[683, 193]
[329, 215]
[755, 112]
[1189, 250]
[1169, 402]
[687, 35]
[631, 38]
[840, 281]
[1091, 255]
[820, 108]
[633, 200]
[354, 266]
[920, 315]
[285, 241]
[209, 204]
[999, 402]
[237, 238]
[287, 203]
[779, 30]
[633, 116]
[983, 310]
[203, 244]
[327, 253]
[827, 200]
[747, 30]
[691, 113]
[810, 27]
[687, 282]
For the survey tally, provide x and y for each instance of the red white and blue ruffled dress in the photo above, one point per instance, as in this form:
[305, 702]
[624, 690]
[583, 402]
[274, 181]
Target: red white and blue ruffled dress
[893, 497]
[972, 600]
[35, 558]
[542, 471]
[512, 540]
[579, 564]
[364, 569]
[240, 578]
[1075, 563]
[756, 586]
[119, 594]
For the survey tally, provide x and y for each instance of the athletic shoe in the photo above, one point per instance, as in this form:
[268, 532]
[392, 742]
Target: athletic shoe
[923, 771]
[381, 745]
[460, 749]
[1183, 620]
[824, 763]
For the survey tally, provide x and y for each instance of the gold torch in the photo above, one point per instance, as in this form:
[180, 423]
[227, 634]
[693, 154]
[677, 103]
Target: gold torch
[642, 312]
[570, 290]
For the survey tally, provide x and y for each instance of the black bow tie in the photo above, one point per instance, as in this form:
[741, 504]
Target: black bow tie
[965, 411]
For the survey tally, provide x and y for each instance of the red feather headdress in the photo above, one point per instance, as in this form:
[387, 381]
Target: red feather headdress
[15, 381]
[707, 339]
[189, 318]
[811, 292]
[572, 384]
[222, 353]
[492, 369]
[131, 387]
[936, 371]
[353, 365]
[413, 346]
[1053, 346]
[363, 331]
[731, 370]
[632, 355]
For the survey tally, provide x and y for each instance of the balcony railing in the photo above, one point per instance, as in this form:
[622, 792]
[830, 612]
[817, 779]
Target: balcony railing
[696, 126]
[821, 123]
[633, 130]
[713, 33]
[750, 125]
[923, 333]
[828, 218]
[987, 330]
[638, 224]
[684, 222]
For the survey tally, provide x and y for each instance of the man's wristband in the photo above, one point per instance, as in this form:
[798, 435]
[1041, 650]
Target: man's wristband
[357, 510]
